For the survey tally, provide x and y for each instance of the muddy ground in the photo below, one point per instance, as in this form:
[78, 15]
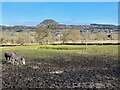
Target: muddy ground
[78, 72]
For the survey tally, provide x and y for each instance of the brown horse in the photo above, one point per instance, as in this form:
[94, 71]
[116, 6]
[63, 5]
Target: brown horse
[9, 55]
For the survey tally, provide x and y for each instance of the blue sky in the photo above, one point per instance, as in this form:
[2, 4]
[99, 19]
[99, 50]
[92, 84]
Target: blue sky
[32, 13]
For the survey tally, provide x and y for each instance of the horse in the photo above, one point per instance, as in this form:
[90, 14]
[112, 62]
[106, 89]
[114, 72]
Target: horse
[9, 55]
[18, 60]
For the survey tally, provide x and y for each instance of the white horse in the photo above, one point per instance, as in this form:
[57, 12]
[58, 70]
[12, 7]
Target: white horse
[18, 60]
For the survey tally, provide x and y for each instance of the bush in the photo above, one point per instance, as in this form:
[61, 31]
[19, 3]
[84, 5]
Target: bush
[62, 47]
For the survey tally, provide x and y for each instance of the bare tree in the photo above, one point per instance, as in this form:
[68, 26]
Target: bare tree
[70, 35]
[3, 40]
[43, 35]
[23, 38]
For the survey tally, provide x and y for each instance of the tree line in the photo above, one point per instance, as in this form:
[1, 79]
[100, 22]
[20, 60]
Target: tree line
[45, 35]
[48, 32]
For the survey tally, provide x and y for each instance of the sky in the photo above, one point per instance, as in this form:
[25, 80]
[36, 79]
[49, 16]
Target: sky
[60, 0]
[32, 13]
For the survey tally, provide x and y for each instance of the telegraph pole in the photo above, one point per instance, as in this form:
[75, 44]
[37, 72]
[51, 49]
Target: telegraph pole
[86, 38]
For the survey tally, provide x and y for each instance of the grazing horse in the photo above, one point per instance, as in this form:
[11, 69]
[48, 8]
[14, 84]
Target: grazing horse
[18, 60]
[9, 55]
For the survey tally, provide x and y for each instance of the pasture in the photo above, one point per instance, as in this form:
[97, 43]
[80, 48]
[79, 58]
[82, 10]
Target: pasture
[63, 66]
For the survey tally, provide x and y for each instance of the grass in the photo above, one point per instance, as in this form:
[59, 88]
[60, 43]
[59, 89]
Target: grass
[50, 52]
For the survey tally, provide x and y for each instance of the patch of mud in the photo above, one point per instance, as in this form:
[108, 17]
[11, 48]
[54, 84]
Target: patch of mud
[78, 72]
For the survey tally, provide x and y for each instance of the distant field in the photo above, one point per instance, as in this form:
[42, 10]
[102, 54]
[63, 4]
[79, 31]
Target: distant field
[40, 51]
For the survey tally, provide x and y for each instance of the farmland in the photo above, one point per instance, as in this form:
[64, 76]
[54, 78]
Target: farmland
[63, 66]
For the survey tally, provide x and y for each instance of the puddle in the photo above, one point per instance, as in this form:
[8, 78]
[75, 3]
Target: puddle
[57, 72]
[35, 67]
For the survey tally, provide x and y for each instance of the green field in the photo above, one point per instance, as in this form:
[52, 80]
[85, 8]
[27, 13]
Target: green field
[61, 51]
[92, 54]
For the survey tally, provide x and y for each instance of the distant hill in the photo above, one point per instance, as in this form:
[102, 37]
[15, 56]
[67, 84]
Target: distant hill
[54, 25]
[48, 22]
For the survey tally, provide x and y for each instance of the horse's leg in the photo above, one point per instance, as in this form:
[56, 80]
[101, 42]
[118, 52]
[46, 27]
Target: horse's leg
[6, 58]
[23, 62]
[13, 61]
[17, 63]
[20, 62]
[9, 59]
